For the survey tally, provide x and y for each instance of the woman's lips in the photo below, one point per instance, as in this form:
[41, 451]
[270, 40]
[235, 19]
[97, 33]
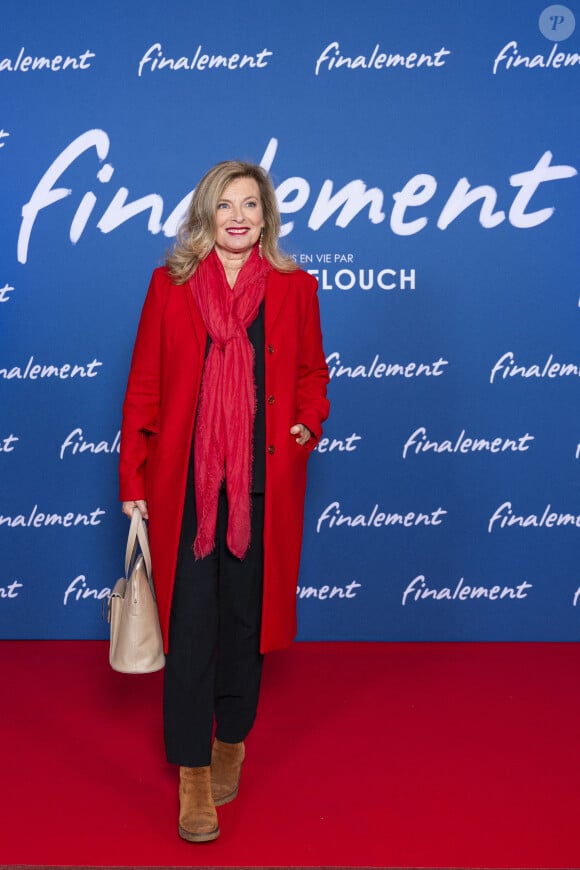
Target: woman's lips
[237, 231]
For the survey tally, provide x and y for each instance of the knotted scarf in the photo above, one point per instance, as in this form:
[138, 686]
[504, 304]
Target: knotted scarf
[227, 405]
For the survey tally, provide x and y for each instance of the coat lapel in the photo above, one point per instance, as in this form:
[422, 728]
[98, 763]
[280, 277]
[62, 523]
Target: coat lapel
[196, 321]
[276, 289]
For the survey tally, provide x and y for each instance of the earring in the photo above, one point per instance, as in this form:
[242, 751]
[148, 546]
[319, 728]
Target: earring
[260, 244]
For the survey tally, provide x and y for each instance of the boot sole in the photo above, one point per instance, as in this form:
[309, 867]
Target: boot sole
[219, 802]
[199, 838]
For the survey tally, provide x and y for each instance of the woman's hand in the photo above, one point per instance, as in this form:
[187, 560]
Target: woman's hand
[129, 507]
[304, 434]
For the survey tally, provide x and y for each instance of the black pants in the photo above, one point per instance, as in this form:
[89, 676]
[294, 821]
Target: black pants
[214, 664]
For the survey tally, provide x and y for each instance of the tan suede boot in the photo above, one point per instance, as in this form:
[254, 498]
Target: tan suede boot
[198, 821]
[226, 766]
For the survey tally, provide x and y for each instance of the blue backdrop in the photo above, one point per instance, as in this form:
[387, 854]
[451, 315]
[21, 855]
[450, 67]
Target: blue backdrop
[425, 156]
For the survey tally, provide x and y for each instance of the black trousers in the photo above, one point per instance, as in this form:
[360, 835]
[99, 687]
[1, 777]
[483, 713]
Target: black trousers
[214, 665]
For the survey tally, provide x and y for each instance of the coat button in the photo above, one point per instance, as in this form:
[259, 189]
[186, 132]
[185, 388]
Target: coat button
[271, 449]
[271, 400]
[270, 348]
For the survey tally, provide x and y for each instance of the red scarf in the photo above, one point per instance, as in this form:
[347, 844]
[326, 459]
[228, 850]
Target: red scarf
[227, 406]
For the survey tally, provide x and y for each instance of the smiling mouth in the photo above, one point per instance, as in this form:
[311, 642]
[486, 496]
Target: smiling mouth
[237, 231]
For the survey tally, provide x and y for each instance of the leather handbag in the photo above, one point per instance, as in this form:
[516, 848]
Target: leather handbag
[136, 643]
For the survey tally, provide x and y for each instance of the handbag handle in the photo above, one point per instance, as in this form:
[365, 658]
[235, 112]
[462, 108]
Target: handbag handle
[138, 532]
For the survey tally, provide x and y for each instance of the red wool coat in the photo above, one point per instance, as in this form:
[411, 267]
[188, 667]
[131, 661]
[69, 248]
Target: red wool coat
[158, 419]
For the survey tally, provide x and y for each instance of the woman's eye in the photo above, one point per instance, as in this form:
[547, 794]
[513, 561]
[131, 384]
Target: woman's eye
[251, 204]
[222, 205]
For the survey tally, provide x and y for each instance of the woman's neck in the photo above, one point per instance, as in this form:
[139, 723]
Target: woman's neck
[232, 263]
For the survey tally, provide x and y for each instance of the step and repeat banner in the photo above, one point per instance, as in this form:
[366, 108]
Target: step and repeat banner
[425, 156]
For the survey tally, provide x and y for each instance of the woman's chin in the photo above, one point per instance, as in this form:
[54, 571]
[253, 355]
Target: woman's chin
[235, 247]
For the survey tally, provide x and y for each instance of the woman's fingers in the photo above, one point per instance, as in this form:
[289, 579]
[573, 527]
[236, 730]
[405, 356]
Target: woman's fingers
[129, 506]
[302, 432]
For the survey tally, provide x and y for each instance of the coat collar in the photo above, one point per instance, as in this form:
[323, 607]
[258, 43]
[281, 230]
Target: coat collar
[277, 286]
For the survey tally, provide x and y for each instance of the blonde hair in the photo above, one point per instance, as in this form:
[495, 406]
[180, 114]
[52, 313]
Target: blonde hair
[196, 234]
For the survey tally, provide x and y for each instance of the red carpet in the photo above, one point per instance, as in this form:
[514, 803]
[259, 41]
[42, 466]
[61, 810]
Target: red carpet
[391, 755]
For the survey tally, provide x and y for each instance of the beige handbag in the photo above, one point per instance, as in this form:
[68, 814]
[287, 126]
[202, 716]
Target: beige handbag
[136, 641]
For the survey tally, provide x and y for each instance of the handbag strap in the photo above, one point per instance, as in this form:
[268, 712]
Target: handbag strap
[138, 532]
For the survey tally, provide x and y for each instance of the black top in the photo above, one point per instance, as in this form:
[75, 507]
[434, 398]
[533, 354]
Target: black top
[257, 340]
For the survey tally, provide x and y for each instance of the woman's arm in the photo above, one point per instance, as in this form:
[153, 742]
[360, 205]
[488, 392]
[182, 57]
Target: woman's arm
[141, 405]
[312, 404]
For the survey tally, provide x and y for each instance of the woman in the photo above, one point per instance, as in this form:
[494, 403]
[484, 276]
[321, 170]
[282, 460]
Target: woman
[225, 401]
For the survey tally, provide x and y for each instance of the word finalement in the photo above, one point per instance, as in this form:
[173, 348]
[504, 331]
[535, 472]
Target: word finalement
[418, 442]
[508, 368]
[505, 517]
[323, 593]
[339, 445]
[7, 443]
[333, 515]
[57, 63]
[75, 442]
[378, 369]
[6, 290]
[343, 203]
[332, 58]
[510, 58]
[80, 591]
[154, 59]
[32, 371]
[36, 520]
[11, 591]
[417, 590]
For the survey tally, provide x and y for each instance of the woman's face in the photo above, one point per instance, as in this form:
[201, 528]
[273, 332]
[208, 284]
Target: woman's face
[239, 218]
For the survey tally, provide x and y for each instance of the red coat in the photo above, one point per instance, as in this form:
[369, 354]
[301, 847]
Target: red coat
[158, 419]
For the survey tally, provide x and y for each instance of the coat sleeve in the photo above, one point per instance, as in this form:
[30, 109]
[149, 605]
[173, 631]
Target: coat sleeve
[141, 405]
[312, 405]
